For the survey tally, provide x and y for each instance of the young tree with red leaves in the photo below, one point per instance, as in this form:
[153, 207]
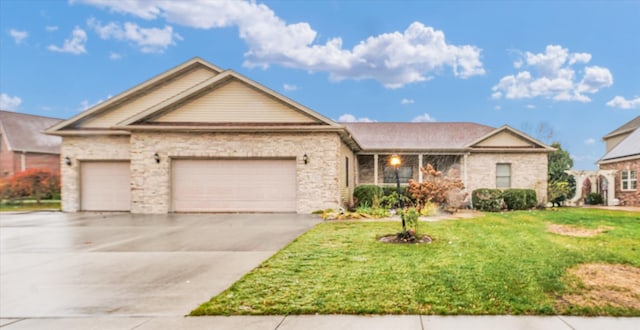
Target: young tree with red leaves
[35, 183]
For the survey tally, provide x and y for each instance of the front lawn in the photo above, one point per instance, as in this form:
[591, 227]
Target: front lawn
[505, 263]
[29, 205]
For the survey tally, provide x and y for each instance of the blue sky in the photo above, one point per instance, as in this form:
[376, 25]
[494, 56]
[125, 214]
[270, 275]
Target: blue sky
[568, 67]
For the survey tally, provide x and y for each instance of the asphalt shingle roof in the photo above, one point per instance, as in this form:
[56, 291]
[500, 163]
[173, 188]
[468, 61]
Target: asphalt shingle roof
[414, 136]
[24, 132]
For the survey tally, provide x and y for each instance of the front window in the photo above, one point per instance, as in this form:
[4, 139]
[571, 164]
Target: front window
[405, 173]
[503, 175]
[629, 180]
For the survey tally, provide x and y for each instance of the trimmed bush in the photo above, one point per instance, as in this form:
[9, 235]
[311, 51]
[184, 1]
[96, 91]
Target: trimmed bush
[519, 199]
[593, 199]
[389, 190]
[489, 200]
[365, 195]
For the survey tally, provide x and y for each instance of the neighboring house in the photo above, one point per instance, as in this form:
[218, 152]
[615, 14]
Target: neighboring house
[24, 145]
[623, 156]
[201, 139]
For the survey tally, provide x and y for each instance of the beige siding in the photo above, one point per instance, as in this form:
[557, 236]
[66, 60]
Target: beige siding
[235, 102]
[145, 101]
[528, 170]
[504, 139]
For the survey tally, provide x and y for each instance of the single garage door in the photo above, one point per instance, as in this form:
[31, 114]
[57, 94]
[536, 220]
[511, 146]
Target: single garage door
[234, 185]
[105, 186]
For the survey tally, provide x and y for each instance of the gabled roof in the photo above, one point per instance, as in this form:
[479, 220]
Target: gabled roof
[142, 118]
[626, 128]
[24, 133]
[625, 149]
[530, 143]
[416, 136]
[434, 137]
[133, 92]
[212, 83]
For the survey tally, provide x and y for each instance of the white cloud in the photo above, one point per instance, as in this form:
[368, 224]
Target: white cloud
[531, 106]
[553, 77]
[18, 36]
[290, 87]
[74, 45]
[51, 28]
[84, 104]
[622, 103]
[152, 40]
[9, 103]
[497, 107]
[407, 101]
[115, 56]
[394, 59]
[424, 118]
[349, 118]
[590, 141]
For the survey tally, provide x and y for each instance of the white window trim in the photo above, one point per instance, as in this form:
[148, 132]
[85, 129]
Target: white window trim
[629, 180]
[510, 175]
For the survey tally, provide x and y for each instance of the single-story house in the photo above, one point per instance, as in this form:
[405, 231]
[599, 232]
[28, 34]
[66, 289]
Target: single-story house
[23, 144]
[198, 138]
[623, 156]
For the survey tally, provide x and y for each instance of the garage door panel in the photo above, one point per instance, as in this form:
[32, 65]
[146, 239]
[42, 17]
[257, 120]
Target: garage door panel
[233, 185]
[105, 186]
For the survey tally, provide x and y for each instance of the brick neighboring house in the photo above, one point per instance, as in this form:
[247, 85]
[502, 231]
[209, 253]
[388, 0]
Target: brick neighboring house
[623, 156]
[198, 138]
[23, 144]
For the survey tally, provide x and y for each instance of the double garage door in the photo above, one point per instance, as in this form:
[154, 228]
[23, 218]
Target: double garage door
[222, 185]
[234, 185]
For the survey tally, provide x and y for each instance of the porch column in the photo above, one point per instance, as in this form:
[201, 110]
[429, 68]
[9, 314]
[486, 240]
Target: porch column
[375, 169]
[419, 166]
[356, 173]
[610, 176]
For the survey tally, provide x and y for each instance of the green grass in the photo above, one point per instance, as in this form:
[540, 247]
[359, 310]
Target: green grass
[505, 263]
[29, 205]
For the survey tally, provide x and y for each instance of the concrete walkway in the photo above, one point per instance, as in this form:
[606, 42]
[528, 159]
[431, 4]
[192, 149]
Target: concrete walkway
[333, 322]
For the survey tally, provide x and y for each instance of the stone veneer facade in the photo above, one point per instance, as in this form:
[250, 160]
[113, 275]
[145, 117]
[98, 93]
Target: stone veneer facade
[318, 181]
[627, 198]
[528, 171]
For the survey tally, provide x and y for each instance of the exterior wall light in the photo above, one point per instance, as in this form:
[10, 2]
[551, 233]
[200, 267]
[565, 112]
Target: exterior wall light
[156, 157]
[305, 159]
[67, 161]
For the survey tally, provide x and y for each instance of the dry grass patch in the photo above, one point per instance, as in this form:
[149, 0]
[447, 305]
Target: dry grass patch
[602, 285]
[576, 231]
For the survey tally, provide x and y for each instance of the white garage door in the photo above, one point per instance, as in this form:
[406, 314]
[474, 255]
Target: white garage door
[105, 186]
[234, 185]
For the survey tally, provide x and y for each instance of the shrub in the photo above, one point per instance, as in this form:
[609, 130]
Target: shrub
[436, 188]
[389, 190]
[593, 199]
[489, 200]
[394, 200]
[519, 199]
[367, 195]
[33, 183]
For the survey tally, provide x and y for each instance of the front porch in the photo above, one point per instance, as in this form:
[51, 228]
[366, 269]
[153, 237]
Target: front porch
[375, 169]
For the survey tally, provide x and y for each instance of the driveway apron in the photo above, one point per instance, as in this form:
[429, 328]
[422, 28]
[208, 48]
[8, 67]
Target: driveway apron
[118, 264]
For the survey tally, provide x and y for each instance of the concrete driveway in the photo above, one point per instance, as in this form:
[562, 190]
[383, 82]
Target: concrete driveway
[91, 264]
